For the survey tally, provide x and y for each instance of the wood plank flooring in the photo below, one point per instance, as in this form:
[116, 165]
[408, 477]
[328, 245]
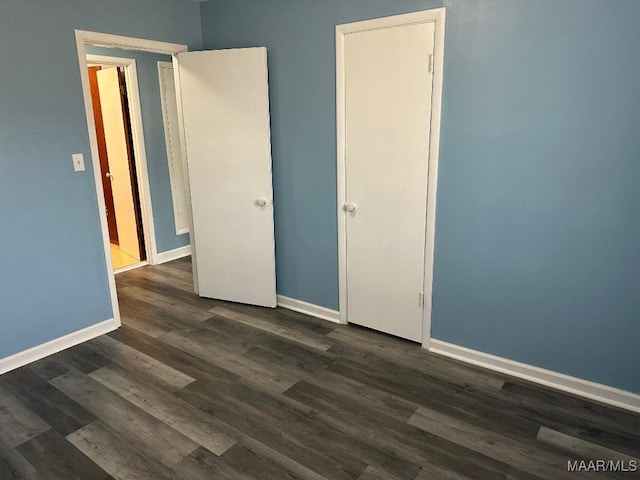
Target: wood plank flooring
[191, 388]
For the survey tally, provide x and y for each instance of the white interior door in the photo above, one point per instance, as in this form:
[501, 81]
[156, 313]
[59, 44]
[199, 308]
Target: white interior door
[225, 106]
[388, 87]
[119, 164]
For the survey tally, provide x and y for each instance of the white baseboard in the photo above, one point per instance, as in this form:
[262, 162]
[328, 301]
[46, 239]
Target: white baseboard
[309, 309]
[57, 345]
[584, 388]
[129, 267]
[175, 254]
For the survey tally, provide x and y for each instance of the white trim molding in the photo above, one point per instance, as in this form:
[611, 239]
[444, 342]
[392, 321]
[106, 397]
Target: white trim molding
[130, 267]
[57, 345]
[309, 309]
[437, 17]
[108, 40]
[174, 254]
[560, 381]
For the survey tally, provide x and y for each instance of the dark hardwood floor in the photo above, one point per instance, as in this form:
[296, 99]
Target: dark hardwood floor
[191, 388]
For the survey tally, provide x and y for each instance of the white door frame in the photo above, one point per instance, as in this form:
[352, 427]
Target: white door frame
[436, 16]
[139, 152]
[84, 38]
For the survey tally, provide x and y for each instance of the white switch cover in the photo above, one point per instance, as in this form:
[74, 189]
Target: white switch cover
[78, 162]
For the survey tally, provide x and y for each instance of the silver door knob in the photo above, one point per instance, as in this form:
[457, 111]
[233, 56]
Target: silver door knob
[109, 176]
[350, 207]
[261, 202]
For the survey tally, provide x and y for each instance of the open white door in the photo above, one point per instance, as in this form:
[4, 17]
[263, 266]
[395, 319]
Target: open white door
[224, 98]
[115, 136]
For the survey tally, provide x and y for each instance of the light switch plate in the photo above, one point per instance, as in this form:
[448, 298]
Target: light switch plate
[78, 162]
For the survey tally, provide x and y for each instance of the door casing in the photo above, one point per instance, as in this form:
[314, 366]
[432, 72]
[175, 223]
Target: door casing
[437, 16]
[84, 38]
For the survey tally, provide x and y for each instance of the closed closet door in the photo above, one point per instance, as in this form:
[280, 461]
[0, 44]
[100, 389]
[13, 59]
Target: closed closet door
[388, 91]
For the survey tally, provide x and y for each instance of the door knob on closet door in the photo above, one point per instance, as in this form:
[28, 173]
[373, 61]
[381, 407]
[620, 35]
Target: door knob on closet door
[350, 207]
[109, 176]
[261, 202]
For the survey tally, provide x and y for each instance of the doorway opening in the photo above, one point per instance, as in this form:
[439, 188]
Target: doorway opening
[112, 118]
[86, 39]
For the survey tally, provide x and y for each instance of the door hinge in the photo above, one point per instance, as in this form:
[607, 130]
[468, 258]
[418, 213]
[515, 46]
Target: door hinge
[421, 299]
[431, 63]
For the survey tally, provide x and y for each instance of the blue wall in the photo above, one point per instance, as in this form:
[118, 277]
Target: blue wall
[538, 233]
[52, 268]
[538, 236]
[155, 146]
